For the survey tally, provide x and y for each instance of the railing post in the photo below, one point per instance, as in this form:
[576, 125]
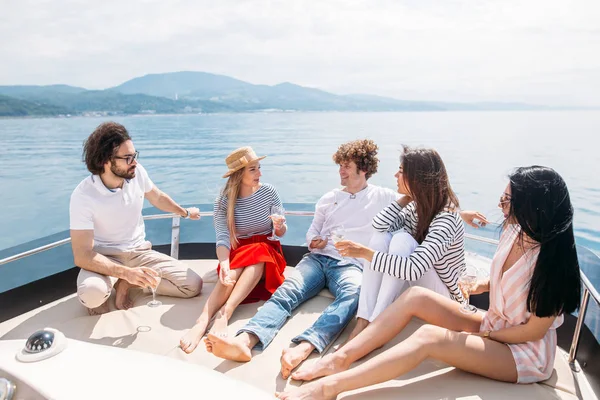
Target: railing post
[175, 237]
[576, 335]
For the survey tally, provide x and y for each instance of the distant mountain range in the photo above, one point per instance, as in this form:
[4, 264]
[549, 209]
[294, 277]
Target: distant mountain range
[201, 92]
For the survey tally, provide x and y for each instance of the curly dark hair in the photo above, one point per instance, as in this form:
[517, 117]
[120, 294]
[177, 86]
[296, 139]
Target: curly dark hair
[102, 145]
[362, 152]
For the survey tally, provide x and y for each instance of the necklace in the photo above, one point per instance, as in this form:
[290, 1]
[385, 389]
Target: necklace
[352, 195]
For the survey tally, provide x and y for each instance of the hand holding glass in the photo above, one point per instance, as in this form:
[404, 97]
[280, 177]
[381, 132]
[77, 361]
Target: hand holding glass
[277, 214]
[338, 234]
[467, 283]
[156, 277]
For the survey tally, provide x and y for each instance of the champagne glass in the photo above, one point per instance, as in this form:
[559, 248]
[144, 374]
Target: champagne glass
[157, 277]
[277, 214]
[467, 283]
[338, 233]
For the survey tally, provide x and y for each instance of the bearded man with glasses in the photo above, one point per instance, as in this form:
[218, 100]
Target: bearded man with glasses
[107, 228]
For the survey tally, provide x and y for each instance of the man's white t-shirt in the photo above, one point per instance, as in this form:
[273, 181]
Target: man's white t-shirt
[115, 215]
[354, 212]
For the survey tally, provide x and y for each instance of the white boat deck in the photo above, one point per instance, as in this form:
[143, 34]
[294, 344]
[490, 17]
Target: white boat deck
[129, 330]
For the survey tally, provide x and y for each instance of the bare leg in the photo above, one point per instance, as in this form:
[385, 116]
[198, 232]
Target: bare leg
[468, 352]
[245, 283]
[217, 298]
[293, 356]
[238, 348]
[361, 324]
[417, 302]
[122, 300]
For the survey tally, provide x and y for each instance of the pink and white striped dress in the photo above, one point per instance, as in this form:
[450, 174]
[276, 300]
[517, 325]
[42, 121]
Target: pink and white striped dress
[508, 307]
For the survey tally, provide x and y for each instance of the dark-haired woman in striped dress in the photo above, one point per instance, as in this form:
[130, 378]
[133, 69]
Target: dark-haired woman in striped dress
[250, 265]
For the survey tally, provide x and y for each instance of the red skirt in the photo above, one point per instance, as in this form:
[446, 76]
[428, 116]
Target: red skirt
[254, 250]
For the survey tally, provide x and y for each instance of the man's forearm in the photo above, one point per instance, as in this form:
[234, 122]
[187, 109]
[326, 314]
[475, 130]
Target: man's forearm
[98, 263]
[167, 204]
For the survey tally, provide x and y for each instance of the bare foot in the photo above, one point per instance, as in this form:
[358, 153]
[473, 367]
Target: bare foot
[313, 391]
[361, 324]
[293, 356]
[99, 310]
[328, 365]
[228, 348]
[122, 300]
[219, 327]
[190, 340]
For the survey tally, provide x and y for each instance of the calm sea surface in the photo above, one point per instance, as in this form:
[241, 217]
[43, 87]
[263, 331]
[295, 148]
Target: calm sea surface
[40, 159]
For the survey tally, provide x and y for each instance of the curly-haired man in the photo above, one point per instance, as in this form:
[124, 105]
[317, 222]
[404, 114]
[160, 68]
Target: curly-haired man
[351, 209]
[107, 229]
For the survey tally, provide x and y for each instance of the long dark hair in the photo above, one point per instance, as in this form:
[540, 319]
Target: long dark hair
[425, 175]
[540, 204]
[102, 144]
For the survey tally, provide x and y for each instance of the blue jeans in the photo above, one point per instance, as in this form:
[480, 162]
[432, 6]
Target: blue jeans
[313, 273]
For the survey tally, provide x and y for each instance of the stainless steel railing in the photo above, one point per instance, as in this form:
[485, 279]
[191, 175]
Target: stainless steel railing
[174, 238]
[588, 289]
[34, 251]
[175, 226]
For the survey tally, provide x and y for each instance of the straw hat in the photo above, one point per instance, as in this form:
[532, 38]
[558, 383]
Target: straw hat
[239, 158]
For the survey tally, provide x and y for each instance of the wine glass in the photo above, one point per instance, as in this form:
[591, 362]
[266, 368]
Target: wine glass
[277, 213]
[467, 283]
[157, 277]
[338, 233]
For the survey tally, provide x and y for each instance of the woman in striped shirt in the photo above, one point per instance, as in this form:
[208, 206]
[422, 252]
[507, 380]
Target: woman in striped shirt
[250, 265]
[534, 280]
[419, 239]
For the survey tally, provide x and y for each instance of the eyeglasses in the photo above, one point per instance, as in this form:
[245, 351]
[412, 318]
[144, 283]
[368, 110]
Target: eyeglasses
[505, 198]
[129, 158]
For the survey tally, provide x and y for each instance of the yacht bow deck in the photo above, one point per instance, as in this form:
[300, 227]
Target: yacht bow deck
[129, 330]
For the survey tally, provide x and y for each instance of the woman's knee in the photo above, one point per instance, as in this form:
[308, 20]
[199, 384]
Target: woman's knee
[435, 340]
[380, 241]
[403, 244]
[253, 267]
[413, 298]
[429, 335]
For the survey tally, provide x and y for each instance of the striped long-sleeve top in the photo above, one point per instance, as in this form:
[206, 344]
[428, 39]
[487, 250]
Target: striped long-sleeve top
[443, 247]
[251, 214]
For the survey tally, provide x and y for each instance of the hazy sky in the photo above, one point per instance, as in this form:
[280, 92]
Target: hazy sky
[541, 51]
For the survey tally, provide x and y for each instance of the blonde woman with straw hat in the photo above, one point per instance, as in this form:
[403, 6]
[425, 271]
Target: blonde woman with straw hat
[248, 218]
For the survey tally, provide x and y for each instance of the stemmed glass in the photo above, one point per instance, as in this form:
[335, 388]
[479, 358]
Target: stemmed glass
[467, 283]
[277, 213]
[157, 277]
[338, 234]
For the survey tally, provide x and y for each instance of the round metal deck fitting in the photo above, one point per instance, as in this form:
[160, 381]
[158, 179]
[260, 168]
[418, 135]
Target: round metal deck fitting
[41, 345]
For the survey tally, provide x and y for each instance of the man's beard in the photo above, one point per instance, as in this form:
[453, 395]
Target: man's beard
[128, 173]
